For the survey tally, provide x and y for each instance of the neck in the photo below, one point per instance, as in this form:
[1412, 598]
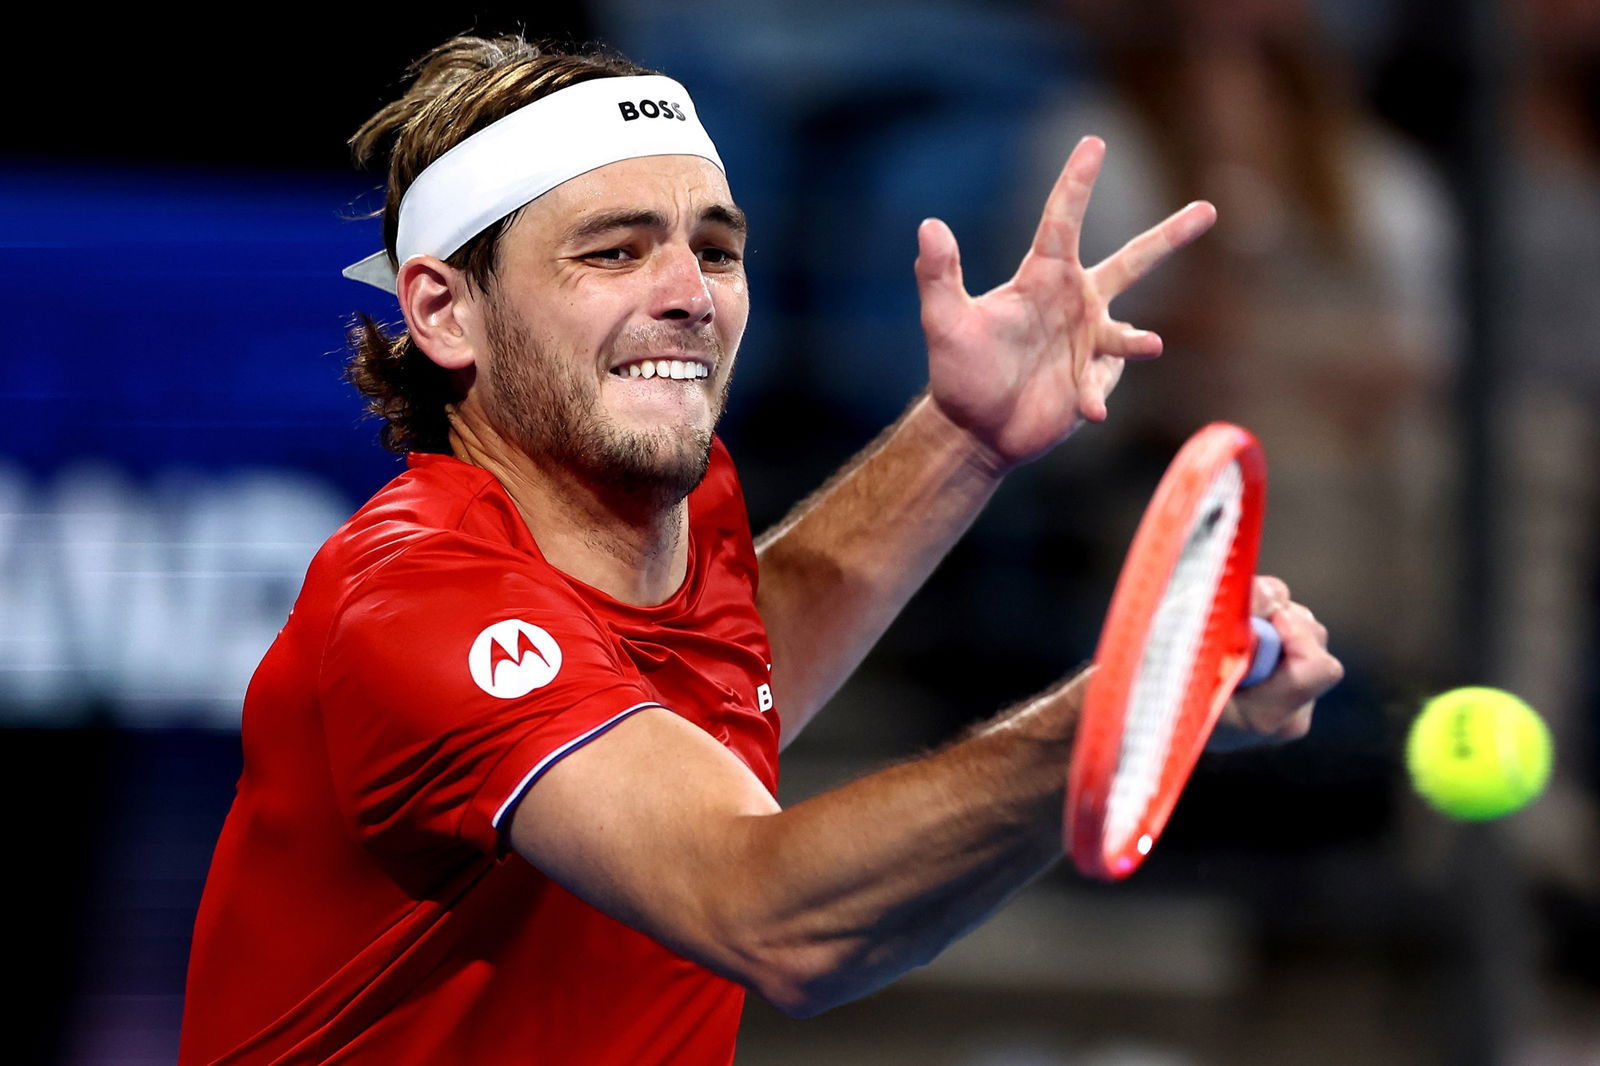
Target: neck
[632, 548]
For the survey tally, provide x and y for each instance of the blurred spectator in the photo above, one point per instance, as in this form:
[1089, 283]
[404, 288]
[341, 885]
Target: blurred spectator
[1319, 315]
[1551, 426]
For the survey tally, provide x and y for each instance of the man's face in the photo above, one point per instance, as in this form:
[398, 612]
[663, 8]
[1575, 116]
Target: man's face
[612, 324]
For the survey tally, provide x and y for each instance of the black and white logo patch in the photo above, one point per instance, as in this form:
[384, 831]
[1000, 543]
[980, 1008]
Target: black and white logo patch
[632, 109]
[512, 658]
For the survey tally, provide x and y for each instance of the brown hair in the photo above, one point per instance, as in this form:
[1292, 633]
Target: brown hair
[457, 89]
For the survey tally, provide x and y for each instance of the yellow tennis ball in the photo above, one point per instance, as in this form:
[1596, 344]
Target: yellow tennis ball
[1478, 753]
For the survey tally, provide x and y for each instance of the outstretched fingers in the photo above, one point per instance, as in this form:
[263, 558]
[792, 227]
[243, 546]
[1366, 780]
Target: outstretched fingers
[1095, 383]
[1062, 221]
[1126, 342]
[1146, 251]
[1097, 373]
[939, 283]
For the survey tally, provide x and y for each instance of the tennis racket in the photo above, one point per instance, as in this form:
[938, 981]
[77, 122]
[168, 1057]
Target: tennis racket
[1177, 641]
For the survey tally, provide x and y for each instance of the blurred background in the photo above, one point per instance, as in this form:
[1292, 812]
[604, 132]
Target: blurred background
[1400, 299]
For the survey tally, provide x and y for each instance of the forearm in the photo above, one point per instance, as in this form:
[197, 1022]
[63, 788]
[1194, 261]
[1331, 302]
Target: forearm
[840, 567]
[877, 877]
[662, 827]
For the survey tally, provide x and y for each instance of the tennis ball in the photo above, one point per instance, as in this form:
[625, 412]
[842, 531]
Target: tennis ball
[1478, 753]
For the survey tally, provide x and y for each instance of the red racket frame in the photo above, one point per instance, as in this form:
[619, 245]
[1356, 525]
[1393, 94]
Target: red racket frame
[1222, 658]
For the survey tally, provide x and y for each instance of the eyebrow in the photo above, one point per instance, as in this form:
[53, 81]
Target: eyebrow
[727, 215]
[607, 221]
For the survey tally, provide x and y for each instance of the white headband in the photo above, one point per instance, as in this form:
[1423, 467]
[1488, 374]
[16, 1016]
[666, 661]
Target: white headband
[519, 158]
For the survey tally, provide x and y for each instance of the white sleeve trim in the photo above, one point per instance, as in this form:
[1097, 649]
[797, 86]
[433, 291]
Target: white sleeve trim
[566, 749]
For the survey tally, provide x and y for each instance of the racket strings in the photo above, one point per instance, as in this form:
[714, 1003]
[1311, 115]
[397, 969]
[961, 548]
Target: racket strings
[1171, 650]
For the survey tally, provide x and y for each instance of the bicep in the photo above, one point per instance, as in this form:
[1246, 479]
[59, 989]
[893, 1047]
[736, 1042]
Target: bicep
[652, 823]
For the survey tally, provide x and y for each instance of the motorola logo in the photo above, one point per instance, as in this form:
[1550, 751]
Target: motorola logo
[512, 658]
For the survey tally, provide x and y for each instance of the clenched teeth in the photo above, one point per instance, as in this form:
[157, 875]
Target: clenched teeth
[677, 369]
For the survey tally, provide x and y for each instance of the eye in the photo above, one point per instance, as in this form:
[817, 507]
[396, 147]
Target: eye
[610, 255]
[718, 256]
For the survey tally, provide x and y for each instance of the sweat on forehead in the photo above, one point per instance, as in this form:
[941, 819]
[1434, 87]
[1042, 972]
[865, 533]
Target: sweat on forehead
[531, 151]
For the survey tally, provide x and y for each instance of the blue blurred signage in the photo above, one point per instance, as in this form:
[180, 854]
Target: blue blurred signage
[177, 439]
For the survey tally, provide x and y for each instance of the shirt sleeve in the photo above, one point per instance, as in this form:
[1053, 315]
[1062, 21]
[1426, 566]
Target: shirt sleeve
[453, 677]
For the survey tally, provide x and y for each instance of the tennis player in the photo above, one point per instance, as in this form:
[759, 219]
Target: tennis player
[508, 788]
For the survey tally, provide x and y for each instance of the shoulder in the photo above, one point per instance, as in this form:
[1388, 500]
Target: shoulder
[437, 493]
[437, 582]
[442, 530]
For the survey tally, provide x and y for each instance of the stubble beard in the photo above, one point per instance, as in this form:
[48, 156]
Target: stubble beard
[549, 411]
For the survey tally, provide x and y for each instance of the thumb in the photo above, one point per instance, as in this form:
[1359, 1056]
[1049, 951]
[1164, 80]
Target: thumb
[1268, 596]
[938, 270]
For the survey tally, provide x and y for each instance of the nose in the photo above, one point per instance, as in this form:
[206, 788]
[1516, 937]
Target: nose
[681, 293]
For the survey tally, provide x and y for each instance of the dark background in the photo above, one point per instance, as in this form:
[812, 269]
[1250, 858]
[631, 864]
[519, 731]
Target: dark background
[175, 202]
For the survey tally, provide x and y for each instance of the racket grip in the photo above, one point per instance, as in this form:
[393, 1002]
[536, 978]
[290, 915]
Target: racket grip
[1268, 650]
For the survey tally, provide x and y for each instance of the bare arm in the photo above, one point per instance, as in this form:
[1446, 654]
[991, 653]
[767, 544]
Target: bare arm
[1011, 374]
[661, 827]
[840, 567]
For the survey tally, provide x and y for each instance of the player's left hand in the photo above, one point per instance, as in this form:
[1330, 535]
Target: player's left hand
[1022, 366]
[1279, 709]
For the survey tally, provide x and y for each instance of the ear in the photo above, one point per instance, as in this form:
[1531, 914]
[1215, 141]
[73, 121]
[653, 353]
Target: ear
[440, 311]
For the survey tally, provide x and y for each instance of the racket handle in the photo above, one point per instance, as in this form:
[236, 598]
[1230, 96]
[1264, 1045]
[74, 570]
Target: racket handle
[1268, 650]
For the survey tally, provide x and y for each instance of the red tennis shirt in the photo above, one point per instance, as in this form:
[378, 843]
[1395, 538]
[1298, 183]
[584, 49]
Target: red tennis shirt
[362, 905]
